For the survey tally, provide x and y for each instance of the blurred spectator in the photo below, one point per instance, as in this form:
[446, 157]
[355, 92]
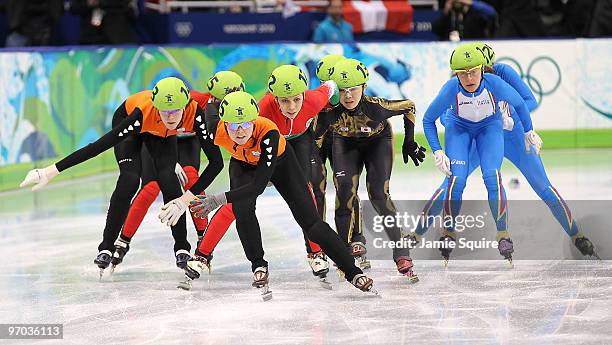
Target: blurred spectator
[31, 22]
[334, 28]
[517, 18]
[465, 19]
[106, 21]
[601, 22]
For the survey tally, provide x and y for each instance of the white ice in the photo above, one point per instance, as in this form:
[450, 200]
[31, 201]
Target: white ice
[49, 239]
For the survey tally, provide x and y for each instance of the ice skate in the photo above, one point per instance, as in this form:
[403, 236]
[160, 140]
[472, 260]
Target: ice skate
[448, 240]
[260, 281]
[364, 283]
[182, 257]
[194, 269]
[320, 267]
[506, 248]
[121, 248]
[103, 260]
[404, 266]
[585, 246]
[358, 250]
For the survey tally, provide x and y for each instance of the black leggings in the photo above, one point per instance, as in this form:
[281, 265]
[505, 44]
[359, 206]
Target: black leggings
[292, 186]
[302, 147]
[128, 156]
[318, 173]
[350, 156]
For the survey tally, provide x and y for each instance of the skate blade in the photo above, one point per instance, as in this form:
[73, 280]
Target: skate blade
[510, 263]
[101, 273]
[412, 279]
[266, 293]
[112, 270]
[374, 292]
[325, 284]
[185, 285]
[445, 263]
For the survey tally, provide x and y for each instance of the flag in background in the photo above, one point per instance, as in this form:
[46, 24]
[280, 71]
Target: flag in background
[379, 15]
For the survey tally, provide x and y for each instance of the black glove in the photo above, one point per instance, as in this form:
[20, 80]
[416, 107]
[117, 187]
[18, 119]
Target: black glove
[411, 149]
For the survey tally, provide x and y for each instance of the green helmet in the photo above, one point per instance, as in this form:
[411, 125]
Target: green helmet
[349, 72]
[466, 56]
[326, 64]
[224, 82]
[237, 107]
[170, 94]
[287, 81]
[487, 51]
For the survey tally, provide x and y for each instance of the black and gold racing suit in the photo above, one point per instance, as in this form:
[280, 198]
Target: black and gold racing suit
[363, 137]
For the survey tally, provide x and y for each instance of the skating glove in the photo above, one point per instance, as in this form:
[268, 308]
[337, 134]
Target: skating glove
[204, 204]
[442, 162]
[180, 173]
[171, 212]
[411, 149]
[507, 121]
[39, 177]
[533, 139]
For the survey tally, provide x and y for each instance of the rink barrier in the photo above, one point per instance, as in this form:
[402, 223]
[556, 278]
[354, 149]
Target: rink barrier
[56, 100]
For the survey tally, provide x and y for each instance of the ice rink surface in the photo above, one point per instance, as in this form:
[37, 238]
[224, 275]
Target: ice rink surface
[49, 240]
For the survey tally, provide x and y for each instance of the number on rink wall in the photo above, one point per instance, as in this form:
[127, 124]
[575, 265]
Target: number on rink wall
[54, 102]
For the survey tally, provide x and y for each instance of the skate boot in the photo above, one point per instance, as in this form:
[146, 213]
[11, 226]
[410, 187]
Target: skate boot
[505, 246]
[318, 263]
[404, 266]
[585, 246]
[364, 283]
[182, 257]
[103, 260]
[358, 250]
[320, 267]
[260, 281]
[194, 269]
[121, 248]
[196, 265]
[448, 240]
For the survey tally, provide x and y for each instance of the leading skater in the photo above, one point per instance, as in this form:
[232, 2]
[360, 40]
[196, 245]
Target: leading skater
[152, 118]
[187, 167]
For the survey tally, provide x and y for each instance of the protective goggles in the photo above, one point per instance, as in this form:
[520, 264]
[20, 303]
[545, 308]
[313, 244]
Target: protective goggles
[350, 90]
[233, 127]
[169, 112]
[468, 72]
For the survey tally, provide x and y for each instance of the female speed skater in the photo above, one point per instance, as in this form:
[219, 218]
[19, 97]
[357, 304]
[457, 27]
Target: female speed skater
[150, 118]
[362, 136]
[528, 162]
[187, 167]
[474, 116]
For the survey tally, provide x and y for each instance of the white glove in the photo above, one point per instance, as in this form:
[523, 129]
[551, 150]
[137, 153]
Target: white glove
[533, 139]
[180, 173]
[442, 162]
[204, 204]
[507, 121]
[39, 177]
[172, 211]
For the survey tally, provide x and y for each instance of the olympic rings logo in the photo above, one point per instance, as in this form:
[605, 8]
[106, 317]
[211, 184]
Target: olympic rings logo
[540, 69]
